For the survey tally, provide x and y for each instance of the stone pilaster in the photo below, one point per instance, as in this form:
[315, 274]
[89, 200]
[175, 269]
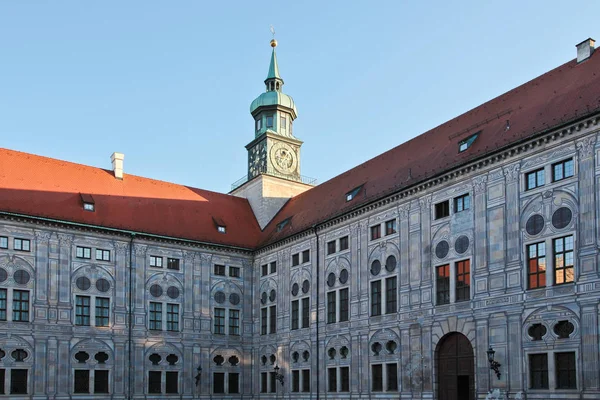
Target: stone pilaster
[481, 362]
[589, 339]
[480, 220]
[513, 250]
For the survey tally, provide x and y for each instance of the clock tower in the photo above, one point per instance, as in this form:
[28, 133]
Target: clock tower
[274, 154]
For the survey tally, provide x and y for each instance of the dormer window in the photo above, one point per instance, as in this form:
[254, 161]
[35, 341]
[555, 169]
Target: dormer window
[353, 193]
[220, 224]
[465, 144]
[270, 121]
[88, 202]
[282, 224]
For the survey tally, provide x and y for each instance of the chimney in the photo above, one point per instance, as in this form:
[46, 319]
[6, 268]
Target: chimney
[585, 49]
[117, 164]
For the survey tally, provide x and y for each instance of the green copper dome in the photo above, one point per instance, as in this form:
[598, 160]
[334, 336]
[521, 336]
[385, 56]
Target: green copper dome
[273, 99]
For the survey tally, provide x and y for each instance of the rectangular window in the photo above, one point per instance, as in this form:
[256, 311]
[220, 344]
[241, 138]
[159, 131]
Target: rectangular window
[270, 121]
[536, 265]
[263, 321]
[566, 374]
[305, 312]
[295, 381]
[258, 124]
[392, 377]
[331, 307]
[218, 382]
[332, 372]
[234, 382]
[331, 247]
[21, 305]
[3, 242]
[173, 317]
[377, 377]
[442, 209]
[345, 379]
[219, 321]
[173, 263]
[273, 319]
[272, 383]
[344, 314]
[295, 314]
[155, 316]
[100, 381]
[2, 376]
[18, 381]
[344, 243]
[538, 371]
[263, 382]
[305, 256]
[219, 270]
[234, 322]
[234, 272]
[102, 311]
[375, 232]
[82, 381]
[156, 261]
[102, 255]
[462, 203]
[295, 259]
[375, 298]
[390, 227]
[83, 252]
[21, 244]
[442, 284]
[563, 260]
[562, 170]
[273, 267]
[171, 382]
[264, 271]
[535, 179]
[463, 280]
[3, 293]
[154, 381]
[391, 299]
[306, 380]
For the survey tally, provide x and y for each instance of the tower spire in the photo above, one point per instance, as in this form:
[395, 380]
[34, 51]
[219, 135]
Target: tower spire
[273, 81]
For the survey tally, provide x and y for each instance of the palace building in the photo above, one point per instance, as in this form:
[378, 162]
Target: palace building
[461, 261]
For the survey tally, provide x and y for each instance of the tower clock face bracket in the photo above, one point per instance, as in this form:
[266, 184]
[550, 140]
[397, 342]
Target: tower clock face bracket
[283, 158]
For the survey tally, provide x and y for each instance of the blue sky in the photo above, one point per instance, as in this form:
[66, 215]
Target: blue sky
[169, 83]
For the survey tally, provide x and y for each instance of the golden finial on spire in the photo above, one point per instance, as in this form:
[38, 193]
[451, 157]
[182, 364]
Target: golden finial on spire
[273, 41]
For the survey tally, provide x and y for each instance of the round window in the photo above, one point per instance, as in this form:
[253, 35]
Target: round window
[22, 277]
[441, 250]
[462, 244]
[375, 267]
[562, 218]
[331, 279]
[234, 299]
[295, 289]
[534, 225]
[390, 263]
[272, 295]
[3, 275]
[82, 283]
[156, 290]
[220, 297]
[263, 298]
[173, 292]
[305, 286]
[102, 285]
[343, 276]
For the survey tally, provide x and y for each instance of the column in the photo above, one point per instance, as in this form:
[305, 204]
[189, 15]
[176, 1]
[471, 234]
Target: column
[480, 205]
[481, 361]
[64, 367]
[589, 338]
[137, 287]
[42, 240]
[39, 369]
[587, 213]
[64, 279]
[121, 283]
[188, 303]
[513, 250]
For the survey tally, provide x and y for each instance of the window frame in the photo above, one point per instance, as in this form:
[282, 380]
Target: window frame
[539, 272]
[3, 242]
[104, 255]
[535, 174]
[375, 232]
[442, 285]
[441, 209]
[24, 244]
[331, 247]
[156, 261]
[173, 263]
[465, 274]
[462, 203]
[24, 314]
[83, 252]
[564, 170]
[234, 272]
[344, 243]
[391, 227]
[566, 266]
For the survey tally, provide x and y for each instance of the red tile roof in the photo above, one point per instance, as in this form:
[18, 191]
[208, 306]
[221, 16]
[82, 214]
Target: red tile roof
[45, 187]
[564, 94]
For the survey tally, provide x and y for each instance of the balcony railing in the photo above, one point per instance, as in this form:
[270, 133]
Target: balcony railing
[270, 171]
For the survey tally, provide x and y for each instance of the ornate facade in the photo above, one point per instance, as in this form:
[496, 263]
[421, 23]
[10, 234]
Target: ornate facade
[400, 294]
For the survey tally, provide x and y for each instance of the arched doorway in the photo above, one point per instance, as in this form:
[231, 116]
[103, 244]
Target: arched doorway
[455, 367]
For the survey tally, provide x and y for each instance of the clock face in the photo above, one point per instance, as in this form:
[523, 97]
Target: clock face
[283, 158]
[257, 159]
